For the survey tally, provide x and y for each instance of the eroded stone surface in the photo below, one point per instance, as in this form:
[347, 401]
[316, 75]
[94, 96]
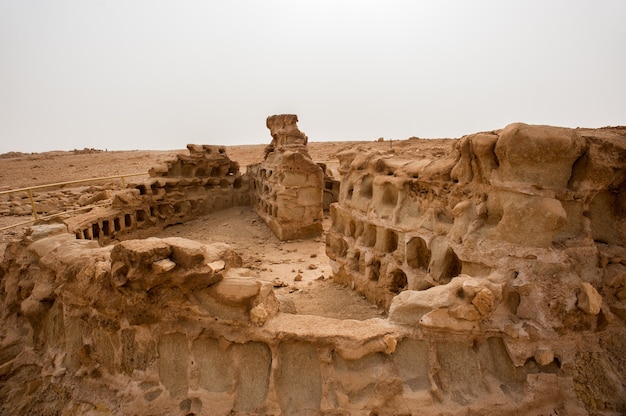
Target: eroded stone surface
[504, 284]
[288, 186]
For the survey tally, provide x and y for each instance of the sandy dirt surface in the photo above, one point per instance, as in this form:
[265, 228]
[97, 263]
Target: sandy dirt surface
[298, 269]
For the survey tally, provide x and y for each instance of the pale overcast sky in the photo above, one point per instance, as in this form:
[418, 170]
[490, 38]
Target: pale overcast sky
[155, 74]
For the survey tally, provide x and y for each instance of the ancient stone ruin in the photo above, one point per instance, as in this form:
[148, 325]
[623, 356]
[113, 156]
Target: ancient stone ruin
[288, 186]
[501, 263]
[190, 186]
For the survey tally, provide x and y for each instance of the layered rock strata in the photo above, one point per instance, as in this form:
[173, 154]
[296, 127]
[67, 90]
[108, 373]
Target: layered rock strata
[288, 186]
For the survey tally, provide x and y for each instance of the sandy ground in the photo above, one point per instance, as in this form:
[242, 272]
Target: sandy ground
[298, 269]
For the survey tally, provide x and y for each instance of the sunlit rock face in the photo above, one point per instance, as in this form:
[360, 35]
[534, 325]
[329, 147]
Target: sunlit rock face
[288, 186]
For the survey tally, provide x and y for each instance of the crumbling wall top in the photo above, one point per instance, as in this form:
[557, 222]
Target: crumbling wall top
[285, 133]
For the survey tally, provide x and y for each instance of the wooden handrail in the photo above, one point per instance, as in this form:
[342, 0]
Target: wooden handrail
[30, 189]
[51, 185]
[58, 214]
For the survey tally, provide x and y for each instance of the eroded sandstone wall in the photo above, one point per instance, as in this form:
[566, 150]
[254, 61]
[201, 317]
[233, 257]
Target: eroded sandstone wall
[486, 316]
[187, 187]
[288, 186]
[174, 327]
[520, 232]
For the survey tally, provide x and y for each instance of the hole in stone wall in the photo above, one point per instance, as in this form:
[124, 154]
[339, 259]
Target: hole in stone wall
[117, 224]
[391, 241]
[224, 184]
[358, 229]
[397, 281]
[86, 234]
[127, 220]
[512, 302]
[187, 171]
[390, 195]
[95, 231]
[142, 190]
[141, 215]
[200, 172]
[105, 228]
[367, 185]
[417, 253]
[450, 267]
[165, 211]
[152, 213]
[350, 192]
[237, 183]
[351, 230]
[215, 171]
[78, 235]
[354, 264]
[179, 207]
[368, 238]
[373, 272]
[579, 171]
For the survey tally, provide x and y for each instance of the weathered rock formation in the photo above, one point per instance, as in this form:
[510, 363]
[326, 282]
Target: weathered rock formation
[171, 326]
[516, 236]
[288, 186]
[502, 263]
[187, 187]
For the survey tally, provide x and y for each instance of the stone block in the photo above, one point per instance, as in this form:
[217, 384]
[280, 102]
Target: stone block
[589, 300]
[540, 155]
[299, 383]
[255, 362]
[173, 363]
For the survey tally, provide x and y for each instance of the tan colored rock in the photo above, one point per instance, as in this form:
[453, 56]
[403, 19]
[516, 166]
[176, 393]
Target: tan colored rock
[480, 318]
[409, 306]
[465, 311]
[162, 266]
[289, 186]
[530, 220]
[544, 355]
[259, 315]
[235, 290]
[589, 300]
[540, 155]
[484, 301]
